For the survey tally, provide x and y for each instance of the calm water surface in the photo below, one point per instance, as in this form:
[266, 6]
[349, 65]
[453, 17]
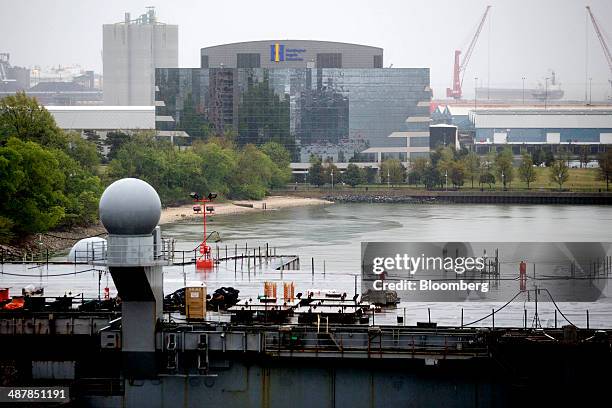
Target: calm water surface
[332, 236]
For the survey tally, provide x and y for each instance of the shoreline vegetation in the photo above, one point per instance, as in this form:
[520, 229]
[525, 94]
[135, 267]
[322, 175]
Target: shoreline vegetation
[59, 241]
[51, 180]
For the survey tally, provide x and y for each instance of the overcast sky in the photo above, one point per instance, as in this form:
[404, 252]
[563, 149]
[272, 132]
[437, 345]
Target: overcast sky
[522, 37]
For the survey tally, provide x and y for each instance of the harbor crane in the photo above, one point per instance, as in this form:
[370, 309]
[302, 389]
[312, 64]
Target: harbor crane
[602, 41]
[459, 68]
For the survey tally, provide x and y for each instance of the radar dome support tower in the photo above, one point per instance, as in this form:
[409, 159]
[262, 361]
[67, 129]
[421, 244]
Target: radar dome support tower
[130, 210]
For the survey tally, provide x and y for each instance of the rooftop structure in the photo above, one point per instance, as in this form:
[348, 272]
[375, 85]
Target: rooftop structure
[104, 117]
[291, 54]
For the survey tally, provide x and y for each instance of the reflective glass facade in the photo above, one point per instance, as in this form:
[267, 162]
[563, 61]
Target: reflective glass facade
[329, 112]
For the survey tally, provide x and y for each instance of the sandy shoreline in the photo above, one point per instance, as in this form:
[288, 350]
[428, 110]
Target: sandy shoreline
[62, 240]
[173, 214]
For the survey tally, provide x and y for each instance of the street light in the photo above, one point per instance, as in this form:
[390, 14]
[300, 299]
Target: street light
[446, 180]
[523, 90]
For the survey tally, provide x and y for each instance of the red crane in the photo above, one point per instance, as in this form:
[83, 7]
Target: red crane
[602, 41]
[459, 68]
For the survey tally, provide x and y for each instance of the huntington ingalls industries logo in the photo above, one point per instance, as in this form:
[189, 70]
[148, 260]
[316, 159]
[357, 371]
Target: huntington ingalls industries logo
[494, 271]
[279, 53]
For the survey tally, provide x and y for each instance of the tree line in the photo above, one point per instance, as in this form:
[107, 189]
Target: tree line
[52, 179]
[447, 167]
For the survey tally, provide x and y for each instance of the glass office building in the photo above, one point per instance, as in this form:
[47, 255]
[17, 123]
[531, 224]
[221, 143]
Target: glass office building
[337, 113]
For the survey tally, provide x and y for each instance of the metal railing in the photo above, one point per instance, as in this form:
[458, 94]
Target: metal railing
[98, 252]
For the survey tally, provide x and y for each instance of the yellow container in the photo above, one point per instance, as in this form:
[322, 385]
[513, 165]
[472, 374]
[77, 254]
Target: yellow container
[195, 302]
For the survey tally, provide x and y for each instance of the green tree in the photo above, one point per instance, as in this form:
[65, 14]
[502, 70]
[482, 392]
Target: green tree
[443, 159]
[432, 177]
[281, 158]
[6, 230]
[527, 172]
[487, 178]
[81, 191]
[83, 151]
[503, 166]
[353, 175]
[114, 140]
[316, 172]
[559, 173]
[92, 136]
[457, 173]
[31, 187]
[392, 171]
[22, 117]
[605, 167]
[370, 174]
[172, 172]
[418, 170]
[331, 173]
[253, 175]
[471, 166]
[277, 152]
[218, 164]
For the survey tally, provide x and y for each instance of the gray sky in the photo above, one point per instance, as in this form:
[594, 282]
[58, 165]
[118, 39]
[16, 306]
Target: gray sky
[525, 37]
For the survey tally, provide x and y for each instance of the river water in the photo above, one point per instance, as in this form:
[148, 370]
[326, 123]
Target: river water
[332, 235]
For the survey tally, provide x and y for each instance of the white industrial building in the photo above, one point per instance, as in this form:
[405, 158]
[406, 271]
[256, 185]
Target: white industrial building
[552, 127]
[104, 118]
[101, 120]
[132, 49]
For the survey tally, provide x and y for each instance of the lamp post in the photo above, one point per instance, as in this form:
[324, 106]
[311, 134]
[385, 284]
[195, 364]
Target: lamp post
[446, 180]
[332, 178]
[503, 184]
[523, 90]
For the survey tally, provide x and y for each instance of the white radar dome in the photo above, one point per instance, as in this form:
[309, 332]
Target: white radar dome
[130, 207]
[88, 249]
